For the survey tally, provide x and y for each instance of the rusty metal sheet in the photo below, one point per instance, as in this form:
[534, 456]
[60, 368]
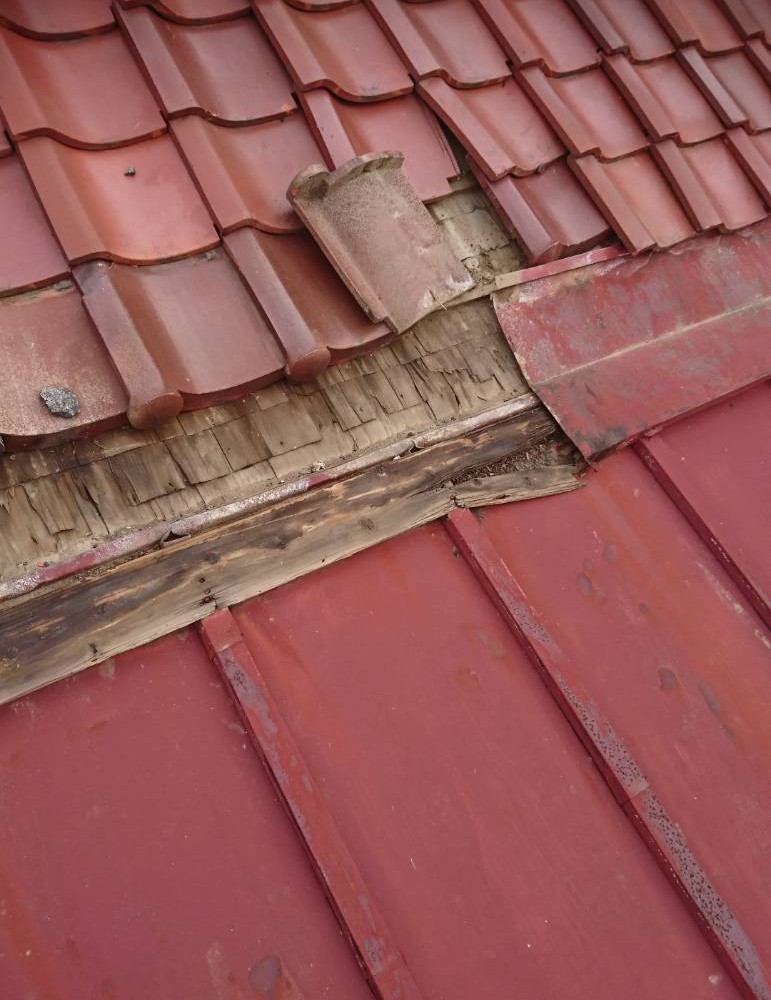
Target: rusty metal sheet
[490, 842]
[716, 466]
[664, 668]
[381, 239]
[628, 345]
[145, 853]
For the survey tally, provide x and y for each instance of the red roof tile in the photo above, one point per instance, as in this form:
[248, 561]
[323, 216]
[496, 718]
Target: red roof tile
[5, 146]
[193, 11]
[758, 11]
[740, 79]
[181, 333]
[548, 213]
[87, 92]
[345, 129]
[444, 38]
[310, 310]
[136, 204]
[540, 33]
[29, 254]
[226, 71]
[343, 49]
[754, 154]
[499, 126]
[627, 26]
[244, 172]
[699, 21]
[56, 18]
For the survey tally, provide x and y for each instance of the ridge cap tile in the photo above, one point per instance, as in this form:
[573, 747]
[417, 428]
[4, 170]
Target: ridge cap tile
[136, 204]
[192, 11]
[444, 38]
[50, 19]
[226, 71]
[86, 92]
[343, 49]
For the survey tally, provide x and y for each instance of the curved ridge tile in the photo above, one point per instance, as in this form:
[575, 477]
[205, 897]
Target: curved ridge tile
[29, 254]
[56, 18]
[47, 339]
[444, 38]
[746, 89]
[499, 126]
[344, 130]
[87, 92]
[587, 112]
[181, 335]
[549, 214]
[636, 200]
[244, 172]
[312, 313]
[666, 100]
[193, 11]
[540, 33]
[626, 26]
[226, 71]
[137, 204]
[343, 49]
[699, 22]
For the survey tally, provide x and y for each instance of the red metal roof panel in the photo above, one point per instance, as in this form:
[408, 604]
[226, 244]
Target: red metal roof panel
[226, 71]
[55, 19]
[136, 204]
[624, 26]
[618, 348]
[343, 49]
[87, 92]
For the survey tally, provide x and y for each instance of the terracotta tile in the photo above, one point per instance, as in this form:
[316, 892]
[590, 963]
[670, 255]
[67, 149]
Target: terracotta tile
[226, 71]
[193, 11]
[636, 200]
[312, 313]
[587, 112]
[344, 130]
[666, 100]
[722, 102]
[244, 172]
[627, 26]
[56, 18]
[540, 32]
[136, 204]
[380, 238]
[746, 87]
[748, 16]
[87, 92]
[46, 339]
[180, 335]
[760, 11]
[444, 38]
[29, 254]
[343, 49]
[498, 125]
[548, 213]
[753, 152]
[321, 4]
[759, 55]
[5, 146]
[732, 195]
[699, 22]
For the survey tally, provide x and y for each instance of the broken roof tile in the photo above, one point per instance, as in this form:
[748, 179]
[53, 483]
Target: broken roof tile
[345, 129]
[666, 100]
[699, 22]
[728, 191]
[747, 90]
[587, 112]
[55, 18]
[47, 340]
[380, 238]
[498, 125]
[753, 152]
[343, 49]
[193, 11]
[244, 172]
[87, 92]
[136, 204]
[29, 254]
[635, 198]
[540, 33]
[179, 334]
[549, 213]
[226, 71]
[624, 26]
[312, 313]
[444, 38]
